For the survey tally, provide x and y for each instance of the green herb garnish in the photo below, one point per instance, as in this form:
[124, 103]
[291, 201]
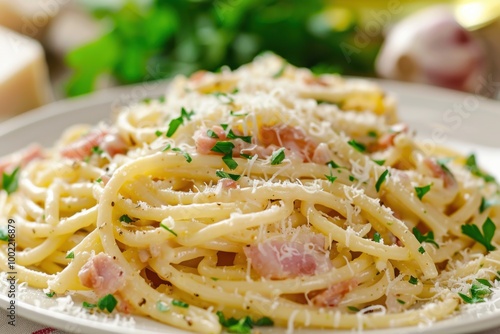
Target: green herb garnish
[97, 150]
[413, 280]
[402, 302]
[107, 302]
[161, 306]
[10, 182]
[231, 135]
[4, 235]
[88, 305]
[421, 250]
[185, 154]
[281, 70]
[126, 219]
[487, 203]
[372, 134]
[50, 294]
[471, 165]
[484, 238]
[70, 255]
[376, 237]
[478, 291]
[278, 156]
[421, 191]
[158, 133]
[224, 175]
[212, 134]
[381, 180]
[429, 237]
[357, 146]
[179, 303]
[176, 122]
[223, 97]
[353, 308]
[168, 229]
[379, 162]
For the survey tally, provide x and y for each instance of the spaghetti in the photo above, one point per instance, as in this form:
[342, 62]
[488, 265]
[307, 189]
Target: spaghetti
[261, 196]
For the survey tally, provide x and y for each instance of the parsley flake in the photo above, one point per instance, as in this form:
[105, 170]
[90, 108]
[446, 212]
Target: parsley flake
[168, 229]
[10, 181]
[429, 237]
[212, 134]
[176, 122]
[478, 291]
[70, 255]
[231, 135]
[223, 97]
[50, 294]
[376, 237]
[235, 114]
[185, 154]
[413, 280]
[381, 179]
[421, 191]
[166, 148]
[372, 134]
[472, 166]
[224, 147]
[332, 164]
[126, 219]
[353, 308]
[330, 177]
[4, 236]
[180, 303]
[379, 162]
[107, 303]
[224, 175]
[484, 238]
[357, 146]
[487, 203]
[421, 250]
[278, 156]
[402, 302]
[88, 305]
[97, 150]
[158, 133]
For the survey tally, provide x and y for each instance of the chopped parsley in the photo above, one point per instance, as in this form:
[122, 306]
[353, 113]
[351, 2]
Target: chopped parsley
[185, 154]
[158, 133]
[372, 134]
[99, 180]
[353, 308]
[281, 70]
[168, 229]
[429, 237]
[381, 180]
[166, 148]
[332, 164]
[70, 255]
[376, 237]
[107, 303]
[50, 294]
[421, 250]
[176, 122]
[161, 306]
[246, 156]
[224, 147]
[235, 114]
[88, 305]
[379, 162]
[478, 291]
[224, 175]
[212, 134]
[126, 219]
[402, 302]
[231, 135]
[471, 165]
[357, 146]
[10, 182]
[487, 203]
[243, 325]
[180, 303]
[4, 236]
[278, 156]
[97, 150]
[223, 97]
[421, 191]
[484, 238]
[413, 280]
[330, 177]
[352, 178]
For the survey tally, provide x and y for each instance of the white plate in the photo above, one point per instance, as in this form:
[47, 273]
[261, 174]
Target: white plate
[465, 122]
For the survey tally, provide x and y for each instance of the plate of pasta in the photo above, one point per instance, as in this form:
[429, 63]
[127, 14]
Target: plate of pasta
[261, 199]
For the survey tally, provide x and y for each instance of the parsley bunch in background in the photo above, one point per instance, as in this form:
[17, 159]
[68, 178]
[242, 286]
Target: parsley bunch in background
[162, 38]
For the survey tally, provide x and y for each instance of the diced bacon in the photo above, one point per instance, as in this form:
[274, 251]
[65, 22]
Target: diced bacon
[102, 274]
[439, 172]
[21, 158]
[111, 143]
[204, 143]
[228, 184]
[387, 140]
[332, 296]
[292, 138]
[278, 259]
